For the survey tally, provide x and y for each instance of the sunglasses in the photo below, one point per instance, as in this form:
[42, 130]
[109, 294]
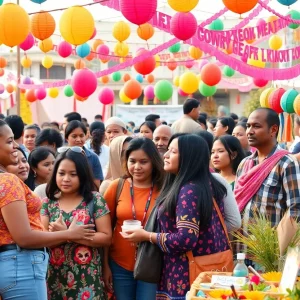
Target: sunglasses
[74, 149]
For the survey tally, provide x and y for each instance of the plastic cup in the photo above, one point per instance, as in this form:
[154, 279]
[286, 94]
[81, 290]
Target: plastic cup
[130, 225]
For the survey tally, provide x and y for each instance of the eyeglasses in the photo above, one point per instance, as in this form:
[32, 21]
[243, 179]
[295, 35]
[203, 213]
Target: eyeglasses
[76, 149]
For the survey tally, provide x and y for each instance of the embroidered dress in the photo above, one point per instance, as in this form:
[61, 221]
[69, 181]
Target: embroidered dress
[75, 271]
[182, 234]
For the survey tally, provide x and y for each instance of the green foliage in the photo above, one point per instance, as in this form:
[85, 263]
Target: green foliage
[253, 102]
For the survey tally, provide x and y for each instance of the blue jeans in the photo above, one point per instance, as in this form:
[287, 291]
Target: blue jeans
[23, 274]
[127, 288]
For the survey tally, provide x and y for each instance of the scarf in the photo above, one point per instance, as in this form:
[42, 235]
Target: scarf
[249, 183]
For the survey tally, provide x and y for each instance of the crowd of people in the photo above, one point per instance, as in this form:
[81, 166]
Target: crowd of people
[66, 190]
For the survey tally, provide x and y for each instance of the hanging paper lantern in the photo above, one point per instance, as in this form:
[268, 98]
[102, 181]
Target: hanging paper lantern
[91, 56]
[102, 51]
[10, 88]
[138, 12]
[84, 82]
[150, 78]
[195, 52]
[64, 49]
[76, 25]
[26, 62]
[189, 64]
[68, 91]
[145, 31]
[171, 64]
[275, 42]
[147, 65]
[287, 101]
[40, 93]
[249, 41]
[297, 105]
[211, 74]
[240, 6]
[260, 82]
[216, 25]
[83, 50]
[183, 25]
[206, 90]
[121, 31]
[42, 25]
[139, 78]
[264, 97]
[227, 71]
[30, 95]
[123, 97]
[183, 5]
[14, 24]
[28, 43]
[79, 64]
[126, 77]
[96, 44]
[149, 91]
[46, 45]
[163, 90]
[182, 93]
[287, 2]
[256, 62]
[53, 92]
[271, 20]
[188, 82]
[104, 79]
[106, 96]
[175, 48]
[294, 14]
[133, 89]
[3, 62]
[116, 76]
[176, 81]
[275, 98]
[260, 22]
[47, 62]
[121, 49]
[38, 1]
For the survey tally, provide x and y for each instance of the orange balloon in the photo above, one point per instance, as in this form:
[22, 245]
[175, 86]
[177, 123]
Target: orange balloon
[81, 99]
[79, 64]
[229, 49]
[126, 77]
[171, 64]
[240, 6]
[3, 62]
[1, 72]
[104, 79]
[42, 25]
[96, 43]
[30, 95]
[91, 56]
[150, 78]
[145, 31]
[10, 88]
[132, 89]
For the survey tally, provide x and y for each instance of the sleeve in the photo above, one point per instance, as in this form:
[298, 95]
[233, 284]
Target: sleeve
[110, 198]
[187, 224]
[11, 189]
[100, 206]
[45, 208]
[296, 149]
[97, 170]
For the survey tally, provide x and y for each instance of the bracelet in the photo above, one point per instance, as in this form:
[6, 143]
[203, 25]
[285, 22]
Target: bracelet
[150, 238]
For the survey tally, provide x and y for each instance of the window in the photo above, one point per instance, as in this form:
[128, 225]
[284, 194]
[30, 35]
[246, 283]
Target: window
[56, 72]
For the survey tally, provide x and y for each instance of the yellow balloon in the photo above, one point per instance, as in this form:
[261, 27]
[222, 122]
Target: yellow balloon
[256, 62]
[183, 5]
[275, 42]
[26, 62]
[46, 45]
[195, 52]
[47, 62]
[176, 81]
[14, 24]
[157, 60]
[297, 105]
[121, 49]
[123, 97]
[76, 25]
[188, 82]
[199, 78]
[264, 97]
[121, 31]
[53, 92]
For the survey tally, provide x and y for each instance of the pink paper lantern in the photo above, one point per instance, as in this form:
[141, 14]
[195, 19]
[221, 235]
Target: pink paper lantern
[40, 93]
[102, 51]
[94, 33]
[106, 96]
[182, 93]
[138, 12]
[275, 99]
[183, 25]
[149, 91]
[84, 82]
[28, 43]
[189, 64]
[259, 82]
[64, 49]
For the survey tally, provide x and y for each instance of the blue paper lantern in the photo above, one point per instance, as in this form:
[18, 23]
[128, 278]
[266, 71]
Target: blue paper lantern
[287, 101]
[139, 78]
[83, 50]
[38, 1]
[287, 2]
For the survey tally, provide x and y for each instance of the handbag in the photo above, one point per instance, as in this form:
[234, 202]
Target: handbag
[148, 264]
[221, 261]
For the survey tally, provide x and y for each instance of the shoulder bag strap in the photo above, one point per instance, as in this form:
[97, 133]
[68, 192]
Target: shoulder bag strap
[118, 194]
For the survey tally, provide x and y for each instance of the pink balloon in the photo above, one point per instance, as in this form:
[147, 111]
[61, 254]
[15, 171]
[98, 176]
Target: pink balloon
[202, 63]
[94, 33]
[259, 82]
[261, 22]
[84, 82]
[183, 25]
[189, 64]
[2, 88]
[106, 96]
[64, 49]
[40, 93]
[182, 93]
[28, 43]
[149, 91]
[102, 51]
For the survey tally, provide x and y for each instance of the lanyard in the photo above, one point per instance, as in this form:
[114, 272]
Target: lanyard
[147, 203]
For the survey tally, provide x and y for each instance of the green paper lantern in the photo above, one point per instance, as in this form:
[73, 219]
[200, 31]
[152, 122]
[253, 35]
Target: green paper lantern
[227, 71]
[175, 48]
[287, 100]
[294, 15]
[216, 25]
[207, 90]
[1, 2]
[68, 91]
[116, 76]
[163, 90]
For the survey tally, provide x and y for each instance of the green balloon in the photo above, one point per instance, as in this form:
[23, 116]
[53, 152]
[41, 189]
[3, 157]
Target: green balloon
[1, 2]
[116, 76]
[68, 91]
[175, 48]
[207, 90]
[216, 25]
[163, 90]
[227, 71]
[294, 15]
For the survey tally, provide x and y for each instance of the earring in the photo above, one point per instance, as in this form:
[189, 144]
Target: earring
[34, 174]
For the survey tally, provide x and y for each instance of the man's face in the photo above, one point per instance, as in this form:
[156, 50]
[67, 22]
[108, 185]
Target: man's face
[65, 124]
[195, 113]
[157, 122]
[161, 138]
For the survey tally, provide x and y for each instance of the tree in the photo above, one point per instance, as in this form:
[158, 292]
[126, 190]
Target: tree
[253, 102]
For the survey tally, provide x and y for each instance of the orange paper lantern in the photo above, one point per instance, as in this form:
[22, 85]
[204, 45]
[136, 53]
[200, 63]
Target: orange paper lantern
[30, 95]
[10, 88]
[145, 31]
[133, 89]
[91, 56]
[171, 64]
[26, 62]
[1, 72]
[3, 62]
[104, 79]
[126, 77]
[240, 6]
[81, 99]
[150, 78]
[42, 25]
[195, 52]
[79, 64]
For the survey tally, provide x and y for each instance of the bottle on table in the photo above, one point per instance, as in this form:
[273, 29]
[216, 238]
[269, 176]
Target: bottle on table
[240, 269]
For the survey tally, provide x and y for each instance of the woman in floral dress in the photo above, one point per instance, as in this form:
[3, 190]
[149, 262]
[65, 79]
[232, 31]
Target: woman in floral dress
[75, 271]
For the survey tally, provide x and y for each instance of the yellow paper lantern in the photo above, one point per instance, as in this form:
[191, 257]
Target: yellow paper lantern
[53, 92]
[123, 97]
[76, 25]
[188, 82]
[121, 49]
[176, 81]
[42, 25]
[121, 31]
[275, 42]
[183, 5]
[195, 52]
[297, 105]
[157, 60]
[47, 62]
[26, 62]
[264, 97]
[256, 62]
[14, 24]
[46, 45]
